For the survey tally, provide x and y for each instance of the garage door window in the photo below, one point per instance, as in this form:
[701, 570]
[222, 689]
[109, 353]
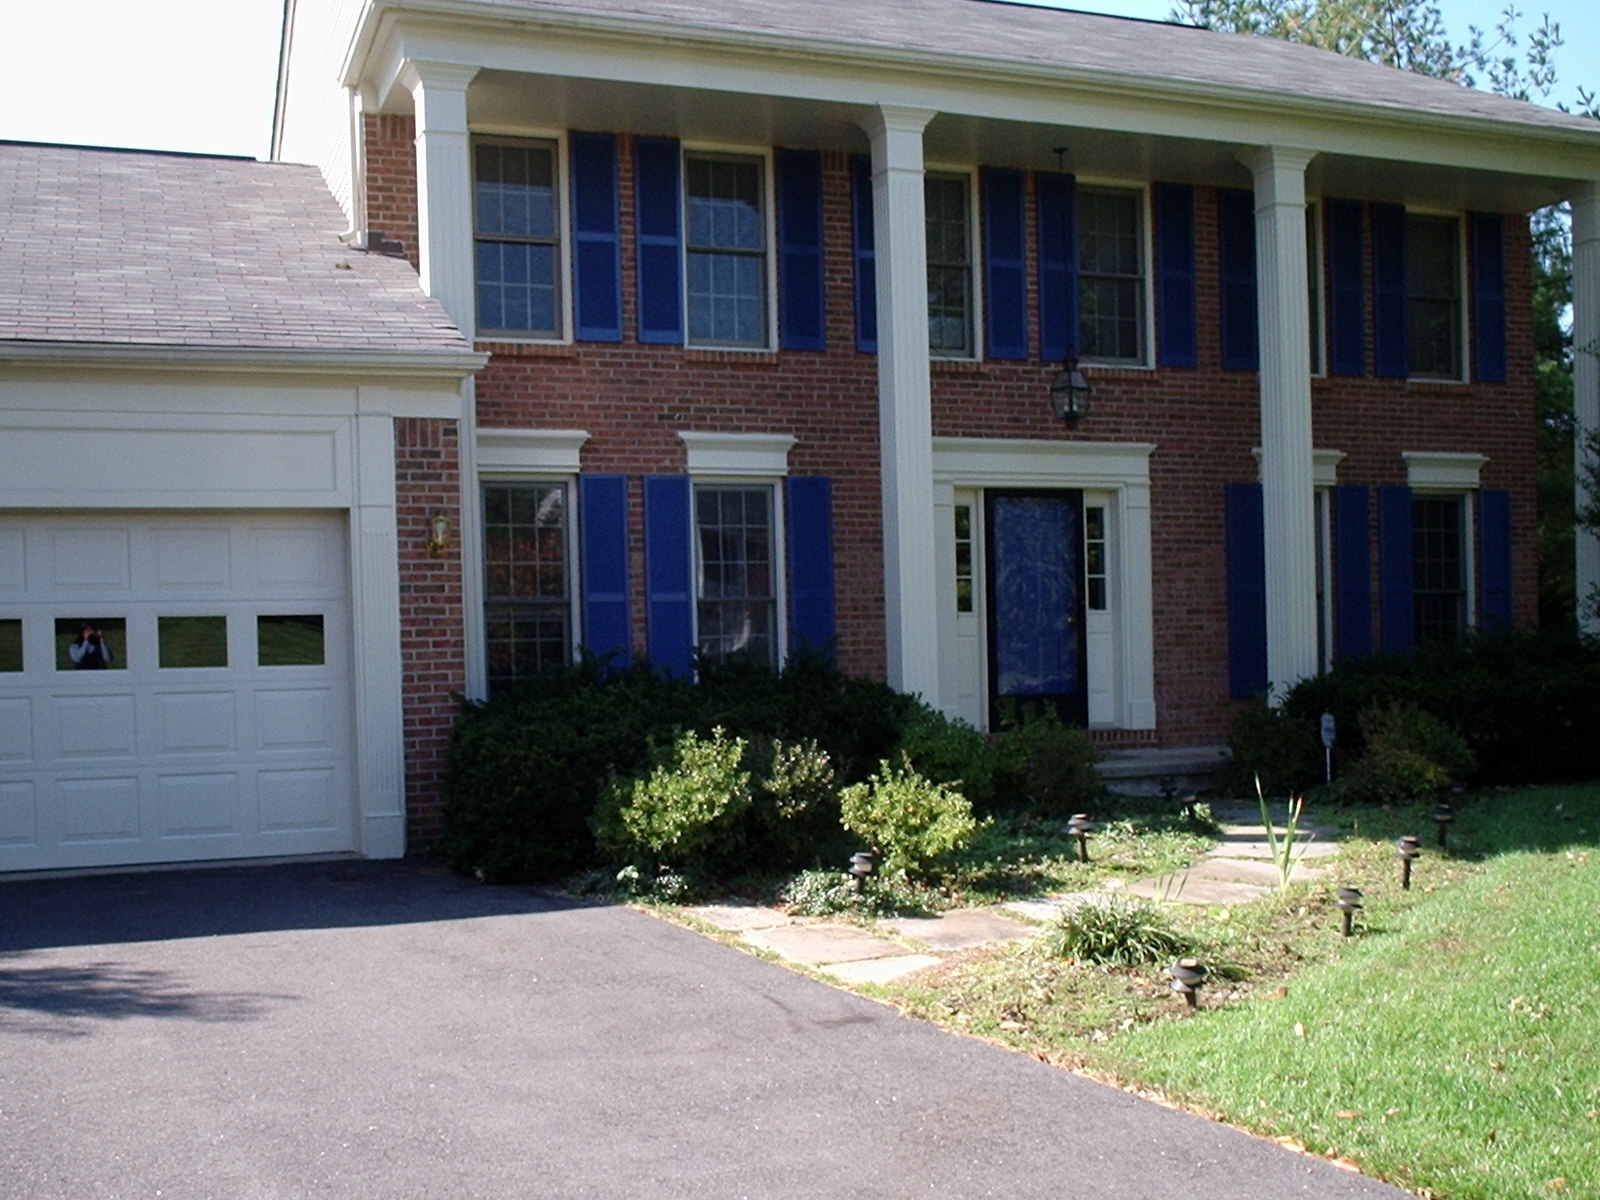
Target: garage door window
[192, 642]
[91, 643]
[10, 645]
[290, 640]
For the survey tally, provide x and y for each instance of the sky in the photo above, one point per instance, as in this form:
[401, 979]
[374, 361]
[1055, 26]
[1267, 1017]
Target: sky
[199, 75]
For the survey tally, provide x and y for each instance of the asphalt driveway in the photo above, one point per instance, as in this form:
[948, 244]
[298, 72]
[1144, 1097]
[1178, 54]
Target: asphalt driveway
[380, 1030]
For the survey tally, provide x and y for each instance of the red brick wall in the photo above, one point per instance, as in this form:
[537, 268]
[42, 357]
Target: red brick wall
[391, 196]
[432, 646]
[633, 399]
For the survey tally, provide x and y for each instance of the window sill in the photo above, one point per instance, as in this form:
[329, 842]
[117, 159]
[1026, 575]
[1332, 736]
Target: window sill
[957, 366]
[504, 349]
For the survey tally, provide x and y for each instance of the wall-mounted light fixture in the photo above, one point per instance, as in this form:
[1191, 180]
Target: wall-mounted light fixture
[439, 530]
[1069, 392]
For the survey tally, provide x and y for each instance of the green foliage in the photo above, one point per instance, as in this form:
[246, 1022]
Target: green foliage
[1284, 849]
[1410, 755]
[1280, 749]
[796, 809]
[950, 751]
[684, 812]
[1114, 931]
[823, 893]
[908, 819]
[1046, 766]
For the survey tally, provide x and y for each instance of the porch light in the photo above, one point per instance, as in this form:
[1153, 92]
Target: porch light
[1069, 392]
[439, 530]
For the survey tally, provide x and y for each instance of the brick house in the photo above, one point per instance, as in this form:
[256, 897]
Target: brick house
[770, 300]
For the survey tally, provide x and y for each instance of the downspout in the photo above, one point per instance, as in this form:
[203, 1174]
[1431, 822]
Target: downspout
[356, 235]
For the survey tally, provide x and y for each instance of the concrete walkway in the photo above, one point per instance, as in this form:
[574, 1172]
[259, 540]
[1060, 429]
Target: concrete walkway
[1237, 870]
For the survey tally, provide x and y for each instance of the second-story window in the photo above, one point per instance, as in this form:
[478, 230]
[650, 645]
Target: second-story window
[1111, 275]
[517, 225]
[726, 250]
[949, 221]
[1433, 297]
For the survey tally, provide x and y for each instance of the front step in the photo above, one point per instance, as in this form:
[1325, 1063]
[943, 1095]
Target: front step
[1152, 770]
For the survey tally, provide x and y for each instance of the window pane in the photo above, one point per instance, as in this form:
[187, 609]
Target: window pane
[10, 644]
[726, 260]
[518, 235]
[527, 612]
[290, 640]
[192, 641]
[1111, 284]
[736, 606]
[91, 643]
[1439, 578]
[1433, 297]
[949, 246]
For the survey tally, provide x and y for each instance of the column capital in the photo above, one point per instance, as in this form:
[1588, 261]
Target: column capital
[883, 120]
[439, 91]
[1271, 159]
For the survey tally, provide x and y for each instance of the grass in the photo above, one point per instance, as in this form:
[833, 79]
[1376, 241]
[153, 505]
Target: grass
[1449, 1047]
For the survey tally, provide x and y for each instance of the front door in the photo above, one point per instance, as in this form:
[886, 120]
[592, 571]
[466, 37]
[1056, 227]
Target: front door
[1034, 547]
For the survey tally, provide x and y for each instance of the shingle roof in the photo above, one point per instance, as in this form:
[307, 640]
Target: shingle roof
[132, 248]
[1061, 38]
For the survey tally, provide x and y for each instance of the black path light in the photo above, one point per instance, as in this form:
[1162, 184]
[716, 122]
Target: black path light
[1408, 849]
[861, 866]
[1443, 813]
[1188, 974]
[1079, 826]
[1349, 901]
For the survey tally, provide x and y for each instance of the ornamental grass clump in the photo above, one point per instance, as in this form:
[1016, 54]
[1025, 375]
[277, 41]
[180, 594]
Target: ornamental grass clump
[1285, 849]
[1114, 931]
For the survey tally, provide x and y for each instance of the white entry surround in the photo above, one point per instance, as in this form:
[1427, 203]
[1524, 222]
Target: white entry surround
[252, 480]
[1121, 641]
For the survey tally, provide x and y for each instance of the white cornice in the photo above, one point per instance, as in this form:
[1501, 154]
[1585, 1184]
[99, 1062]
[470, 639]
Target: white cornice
[444, 364]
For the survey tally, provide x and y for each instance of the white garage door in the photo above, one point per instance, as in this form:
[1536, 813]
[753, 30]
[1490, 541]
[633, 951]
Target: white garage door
[220, 728]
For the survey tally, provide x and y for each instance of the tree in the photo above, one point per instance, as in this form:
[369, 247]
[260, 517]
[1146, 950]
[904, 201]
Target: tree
[1410, 35]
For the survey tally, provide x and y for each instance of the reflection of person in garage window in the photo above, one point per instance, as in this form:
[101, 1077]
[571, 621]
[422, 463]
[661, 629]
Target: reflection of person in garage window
[90, 651]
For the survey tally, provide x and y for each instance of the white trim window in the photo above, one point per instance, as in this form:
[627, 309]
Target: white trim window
[516, 211]
[1113, 276]
[1441, 567]
[1434, 290]
[527, 590]
[952, 315]
[726, 250]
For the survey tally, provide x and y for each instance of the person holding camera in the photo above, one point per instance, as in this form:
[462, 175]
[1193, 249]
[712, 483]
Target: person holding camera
[90, 651]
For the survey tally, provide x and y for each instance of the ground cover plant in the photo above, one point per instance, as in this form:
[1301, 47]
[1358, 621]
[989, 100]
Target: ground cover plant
[1448, 1046]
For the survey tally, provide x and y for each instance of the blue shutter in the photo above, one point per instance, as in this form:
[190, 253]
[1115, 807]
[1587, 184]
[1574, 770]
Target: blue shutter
[1347, 294]
[863, 239]
[668, 572]
[1389, 291]
[1056, 198]
[658, 194]
[1494, 557]
[1236, 258]
[596, 252]
[603, 552]
[808, 520]
[1247, 591]
[1005, 264]
[1352, 571]
[800, 286]
[1394, 568]
[1489, 297]
[1176, 338]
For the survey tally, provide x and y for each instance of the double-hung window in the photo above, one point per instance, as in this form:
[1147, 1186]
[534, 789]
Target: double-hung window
[726, 250]
[517, 232]
[947, 201]
[1433, 297]
[1111, 275]
[736, 586]
[1439, 577]
[527, 586]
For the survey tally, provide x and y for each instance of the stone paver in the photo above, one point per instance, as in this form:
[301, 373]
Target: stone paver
[822, 945]
[738, 917]
[961, 929]
[880, 970]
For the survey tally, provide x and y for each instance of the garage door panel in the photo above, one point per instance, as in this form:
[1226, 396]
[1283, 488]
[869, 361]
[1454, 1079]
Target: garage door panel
[293, 801]
[196, 723]
[302, 719]
[16, 730]
[99, 810]
[19, 814]
[13, 560]
[97, 558]
[186, 560]
[96, 727]
[298, 561]
[191, 805]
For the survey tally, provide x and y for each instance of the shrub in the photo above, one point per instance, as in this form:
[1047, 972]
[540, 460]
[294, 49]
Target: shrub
[909, 819]
[796, 806]
[684, 811]
[946, 750]
[1114, 931]
[1408, 755]
[1280, 748]
[1046, 766]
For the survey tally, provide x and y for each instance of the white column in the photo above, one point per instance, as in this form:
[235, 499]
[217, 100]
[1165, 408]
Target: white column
[444, 186]
[905, 419]
[1284, 321]
[1586, 389]
[444, 224]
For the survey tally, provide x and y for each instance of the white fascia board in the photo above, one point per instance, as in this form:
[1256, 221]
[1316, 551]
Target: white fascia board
[445, 364]
[661, 53]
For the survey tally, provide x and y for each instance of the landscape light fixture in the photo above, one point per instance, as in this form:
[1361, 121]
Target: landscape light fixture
[861, 866]
[1408, 849]
[1187, 976]
[1079, 827]
[1349, 901]
[1443, 813]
